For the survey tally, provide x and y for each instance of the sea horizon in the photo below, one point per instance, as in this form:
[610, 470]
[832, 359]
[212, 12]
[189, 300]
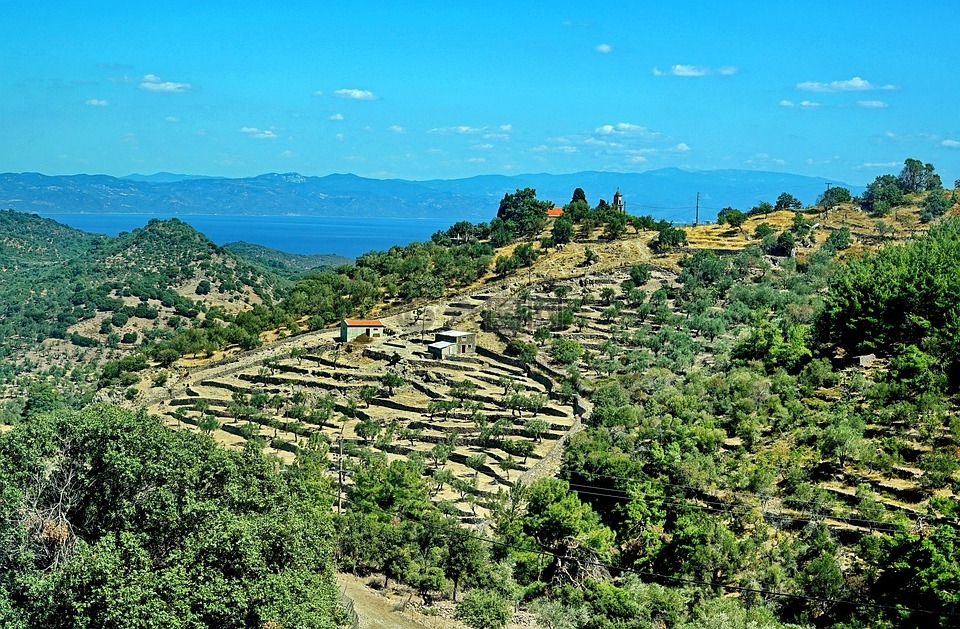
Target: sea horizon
[342, 235]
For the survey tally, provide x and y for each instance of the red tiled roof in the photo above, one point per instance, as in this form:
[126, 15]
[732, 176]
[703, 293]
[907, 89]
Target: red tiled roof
[363, 323]
[555, 212]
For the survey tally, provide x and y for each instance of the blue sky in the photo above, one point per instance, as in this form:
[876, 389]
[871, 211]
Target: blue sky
[845, 90]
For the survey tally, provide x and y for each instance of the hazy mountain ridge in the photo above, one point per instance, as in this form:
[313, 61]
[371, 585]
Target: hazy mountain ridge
[667, 193]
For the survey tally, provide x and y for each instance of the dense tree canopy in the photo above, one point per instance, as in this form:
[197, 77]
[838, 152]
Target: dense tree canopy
[522, 208]
[902, 295]
[917, 176]
[882, 195]
[111, 520]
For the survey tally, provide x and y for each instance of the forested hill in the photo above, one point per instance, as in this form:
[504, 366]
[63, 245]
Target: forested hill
[28, 240]
[69, 298]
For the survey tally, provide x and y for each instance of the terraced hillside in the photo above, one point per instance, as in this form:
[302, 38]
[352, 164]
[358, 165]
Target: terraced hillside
[477, 417]
[706, 422]
[481, 421]
[632, 334]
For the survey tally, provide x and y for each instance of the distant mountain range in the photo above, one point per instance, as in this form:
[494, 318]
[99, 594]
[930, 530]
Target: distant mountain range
[668, 193]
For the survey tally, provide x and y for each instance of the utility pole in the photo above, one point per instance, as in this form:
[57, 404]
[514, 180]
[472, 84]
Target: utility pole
[696, 218]
[826, 202]
[340, 480]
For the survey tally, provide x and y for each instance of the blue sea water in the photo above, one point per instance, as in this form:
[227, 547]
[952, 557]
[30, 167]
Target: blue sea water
[343, 235]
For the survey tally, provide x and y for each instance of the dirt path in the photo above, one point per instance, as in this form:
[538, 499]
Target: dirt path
[376, 610]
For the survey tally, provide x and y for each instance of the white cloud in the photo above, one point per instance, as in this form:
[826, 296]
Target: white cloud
[809, 104]
[258, 134]
[318, 93]
[171, 119]
[601, 143]
[637, 159]
[764, 159]
[872, 104]
[153, 83]
[695, 71]
[336, 117]
[686, 70]
[96, 102]
[340, 136]
[397, 129]
[355, 94]
[681, 148]
[288, 154]
[483, 147]
[506, 128]
[952, 144]
[878, 165]
[604, 48]
[856, 84]
[477, 160]
[624, 128]
[565, 149]
[458, 130]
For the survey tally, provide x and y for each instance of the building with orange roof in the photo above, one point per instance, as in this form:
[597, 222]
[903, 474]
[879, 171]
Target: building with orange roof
[554, 212]
[352, 328]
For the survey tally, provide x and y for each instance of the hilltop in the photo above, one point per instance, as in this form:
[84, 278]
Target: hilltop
[26, 240]
[72, 299]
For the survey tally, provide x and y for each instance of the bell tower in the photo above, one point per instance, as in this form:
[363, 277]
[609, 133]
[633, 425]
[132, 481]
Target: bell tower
[618, 201]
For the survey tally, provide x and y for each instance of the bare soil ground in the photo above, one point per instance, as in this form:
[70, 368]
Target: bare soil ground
[379, 609]
[400, 608]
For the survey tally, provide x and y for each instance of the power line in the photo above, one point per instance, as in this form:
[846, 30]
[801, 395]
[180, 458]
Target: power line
[693, 487]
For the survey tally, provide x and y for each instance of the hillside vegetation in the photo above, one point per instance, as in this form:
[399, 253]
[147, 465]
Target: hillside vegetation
[26, 240]
[750, 423]
[728, 440]
[110, 520]
[71, 301]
